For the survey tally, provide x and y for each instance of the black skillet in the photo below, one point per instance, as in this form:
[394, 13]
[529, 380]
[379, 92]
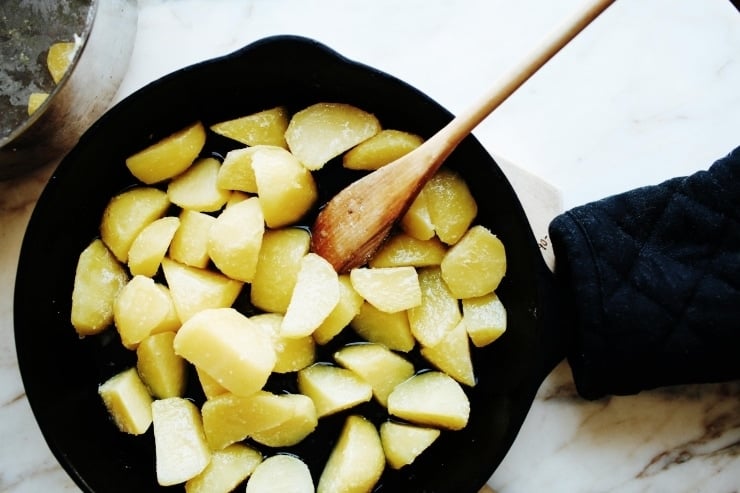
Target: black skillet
[61, 372]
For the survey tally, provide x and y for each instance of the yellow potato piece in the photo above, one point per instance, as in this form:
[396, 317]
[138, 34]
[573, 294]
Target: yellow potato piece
[262, 128]
[35, 100]
[475, 266]
[180, 446]
[389, 289]
[211, 388]
[323, 131]
[377, 365]
[333, 389]
[235, 239]
[381, 149]
[439, 311]
[227, 469]
[347, 308]
[189, 245]
[485, 318]
[403, 443]
[452, 355]
[230, 418]
[432, 399]
[390, 329]
[357, 460]
[293, 353]
[142, 308]
[196, 188]
[293, 430]
[98, 280]
[229, 347]
[452, 207]
[286, 189]
[314, 297]
[128, 402]
[405, 250]
[162, 371]
[281, 473]
[150, 246]
[278, 264]
[417, 222]
[194, 290]
[59, 58]
[169, 156]
[236, 172]
[127, 214]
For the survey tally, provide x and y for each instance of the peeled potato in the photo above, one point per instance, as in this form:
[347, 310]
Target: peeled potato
[485, 318]
[35, 100]
[128, 402]
[452, 355]
[403, 443]
[229, 347]
[235, 238]
[476, 265]
[389, 289]
[314, 297]
[347, 308]
[357, 460]
[180, 446]
[127, 214]
[142, 308]
[293, 430]
[452, 207]
[323, 131]
[236, 172]
[226, 470]
[439, 311]
[169, 156]
[59, 58]
[281, 473]
[150, 246]
[98, 280]
[333, 389]
[431, 398]
[390, 329]
[417, 222]
[405, 250]
[262, 128]
[196, 188]
[293, 353]
[189, 245]
[160, 368]
[381, 149]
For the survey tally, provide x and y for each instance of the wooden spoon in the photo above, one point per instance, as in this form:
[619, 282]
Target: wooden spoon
[356, 221]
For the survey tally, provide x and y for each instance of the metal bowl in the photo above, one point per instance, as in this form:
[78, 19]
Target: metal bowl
[104, 31]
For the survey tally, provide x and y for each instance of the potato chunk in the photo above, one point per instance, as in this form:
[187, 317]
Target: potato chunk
[128, 402]
[417, 222]
[293, 353]
[348, 307]
[381, 149]
[315, 295]
[278, 264]
[194, 290]
[229, 347]
[35, 100]
[403, 443]
[377, 365]
[475, 266]
[439, 311]
[390, 329]
[431, 398]
[226, 470]
[230, 418]
[98, 280]
[333, 389]
[293, 430]
[127, 214]
[452, 207]
[286, 188]
[58, 59]
[405, 250]
[485, 318]
[150, 246]
[196, 188]
[160, 368]
[357, 460]
[169, 156]
[389, 289]
[189, 246]
[142, 308]
[262, 128]
[281, 473]
[180, 446]
[236, 172]
[323, 131]
[235, 239]
[452, 355]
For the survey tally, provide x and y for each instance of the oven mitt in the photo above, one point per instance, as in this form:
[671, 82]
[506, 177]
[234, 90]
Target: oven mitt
[651, 284]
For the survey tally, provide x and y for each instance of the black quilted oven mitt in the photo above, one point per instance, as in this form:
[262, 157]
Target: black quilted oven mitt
[651, 281]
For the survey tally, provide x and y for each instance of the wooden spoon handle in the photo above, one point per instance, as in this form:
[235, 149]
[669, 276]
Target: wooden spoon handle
[444, 142]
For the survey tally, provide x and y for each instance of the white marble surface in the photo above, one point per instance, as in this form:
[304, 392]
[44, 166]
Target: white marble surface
[650, 91]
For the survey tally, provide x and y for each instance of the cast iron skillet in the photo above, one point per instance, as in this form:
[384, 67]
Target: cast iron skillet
[61, 372]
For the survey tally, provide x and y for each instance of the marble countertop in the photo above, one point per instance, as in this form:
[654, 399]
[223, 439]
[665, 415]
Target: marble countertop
[649, 91]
